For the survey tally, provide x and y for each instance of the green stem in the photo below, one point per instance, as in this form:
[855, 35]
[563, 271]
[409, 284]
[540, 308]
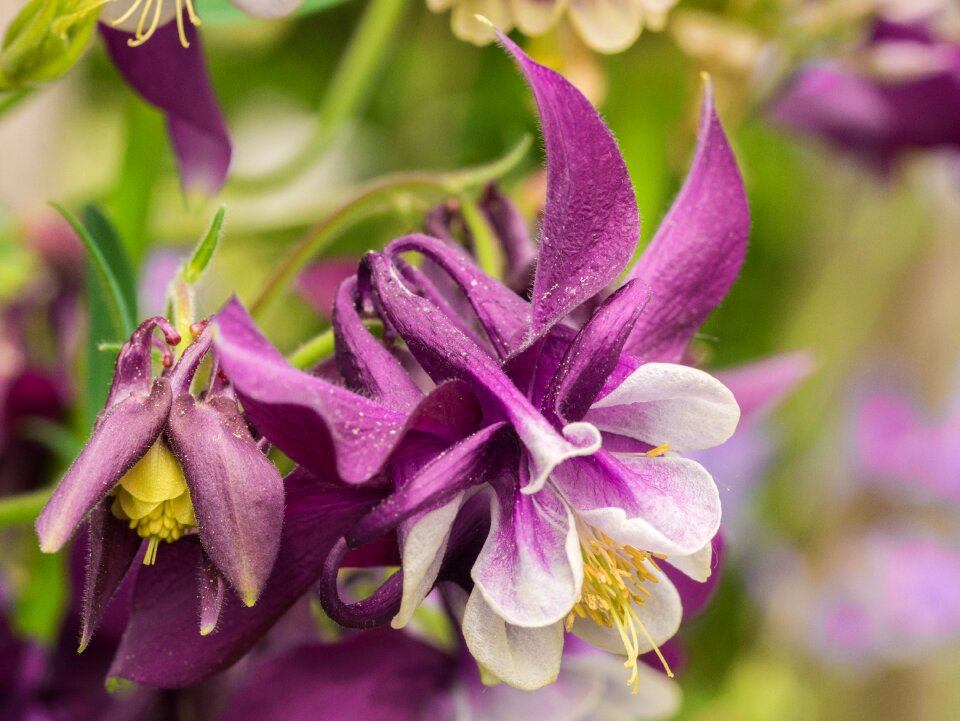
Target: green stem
[23, 509]
[321, 347]
[368, 200]
[346, 95]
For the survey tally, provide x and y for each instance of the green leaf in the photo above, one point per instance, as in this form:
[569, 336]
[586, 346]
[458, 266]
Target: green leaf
[221, 12]
[204, 251]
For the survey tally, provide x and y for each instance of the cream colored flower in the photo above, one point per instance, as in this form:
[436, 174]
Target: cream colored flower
[607, 26]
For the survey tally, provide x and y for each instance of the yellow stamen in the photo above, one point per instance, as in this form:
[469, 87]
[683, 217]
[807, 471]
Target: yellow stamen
[658, 451]
[142, 33]
[613, 589]
[154, 498]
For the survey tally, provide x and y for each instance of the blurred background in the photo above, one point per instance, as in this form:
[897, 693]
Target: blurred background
[840, 595]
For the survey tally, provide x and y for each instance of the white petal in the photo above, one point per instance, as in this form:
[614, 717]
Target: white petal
[267, 8]
[607, 26]
[660, 615]
[535, 17]
[697, 565]
[666, 403]
[527, 658]
[657, 697]
[423, 544]
[466, 26]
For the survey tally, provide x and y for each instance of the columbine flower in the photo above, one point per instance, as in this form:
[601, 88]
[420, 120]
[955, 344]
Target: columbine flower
[899, 92]
[607, 27]
[162, 464]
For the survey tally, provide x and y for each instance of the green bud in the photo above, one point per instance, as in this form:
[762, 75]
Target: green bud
[45, 40]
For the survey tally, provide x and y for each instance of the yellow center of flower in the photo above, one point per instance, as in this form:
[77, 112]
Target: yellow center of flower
[154, 498]
[151, 12]
[614, 587]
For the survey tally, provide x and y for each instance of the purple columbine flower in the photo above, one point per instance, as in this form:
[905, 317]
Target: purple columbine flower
[899, 92]
[163, 464]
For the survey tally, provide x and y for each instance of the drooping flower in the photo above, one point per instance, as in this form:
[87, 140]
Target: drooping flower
[604, 25]
[162, 464]
[899, 92]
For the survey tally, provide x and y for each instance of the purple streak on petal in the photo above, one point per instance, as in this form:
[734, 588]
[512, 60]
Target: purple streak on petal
[161, 646]
[318, 284]
[530, 568]
[503, 314]
[473, 461]
[314, 422]
[697, 252]
[175, 80]
[591, 225]
[365, 364]
[112, 547]
[123, 434]
[380, 675]
[513, 233]
[694, 595]
[666, 505]
[594, 353]
[237, 492]
[444, 353]
[762, 385]
[212, 586]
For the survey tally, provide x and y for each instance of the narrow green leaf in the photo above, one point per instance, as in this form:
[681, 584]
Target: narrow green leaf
[119, 295]
[204, 251]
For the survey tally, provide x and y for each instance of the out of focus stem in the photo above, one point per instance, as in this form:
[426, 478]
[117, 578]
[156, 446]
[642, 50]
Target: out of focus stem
[368, 200]
[23, 509]
[346, 94]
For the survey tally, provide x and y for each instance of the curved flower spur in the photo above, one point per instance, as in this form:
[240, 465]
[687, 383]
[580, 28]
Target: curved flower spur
[580, 525]
[164, 464]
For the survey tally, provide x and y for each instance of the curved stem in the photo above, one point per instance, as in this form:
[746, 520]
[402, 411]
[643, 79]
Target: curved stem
[368, 200]
[346, 94]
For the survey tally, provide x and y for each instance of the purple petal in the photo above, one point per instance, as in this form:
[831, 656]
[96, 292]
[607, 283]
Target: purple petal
[161, 646]
[112, 547]
[697, 252]
[377, 676]
[503, 314]
[123, 434]
[696, 595]
[530, 569]
[665, 505]
[237, 492]
[314, 422]
[212, 586]
[594, 353]
[133, 371]
[513, 233]
[591, 224]
[175, 80]
[319, 282]
[444, 352]
[365, 364]
[762, 385]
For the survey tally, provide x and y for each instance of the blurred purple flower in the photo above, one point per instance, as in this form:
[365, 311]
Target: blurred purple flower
[899, 92]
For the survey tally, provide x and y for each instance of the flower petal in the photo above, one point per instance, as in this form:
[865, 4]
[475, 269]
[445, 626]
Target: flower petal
[761, 385]
[445, 352]
[161, 646]
[535, 17]
[657, 697]
[512, 230]
[697, 252]
[112, 549]
[314, 422]
[530, 569]
[318, 284]
[607, 26]
[590, 224]
[380, 675]
[212, 586]
[527, 658]
[175, 80]
[365, 364]
[666, 505]
[660, 615]
[123, 434]
[267, 9]
[664, 403]
[237, 492]
[697, 577]
[594, 353]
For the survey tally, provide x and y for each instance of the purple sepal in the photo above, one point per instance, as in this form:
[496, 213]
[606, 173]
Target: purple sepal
[697, 252]
[211, 585]
[175, 80]
[696, 596]
[591, 225]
